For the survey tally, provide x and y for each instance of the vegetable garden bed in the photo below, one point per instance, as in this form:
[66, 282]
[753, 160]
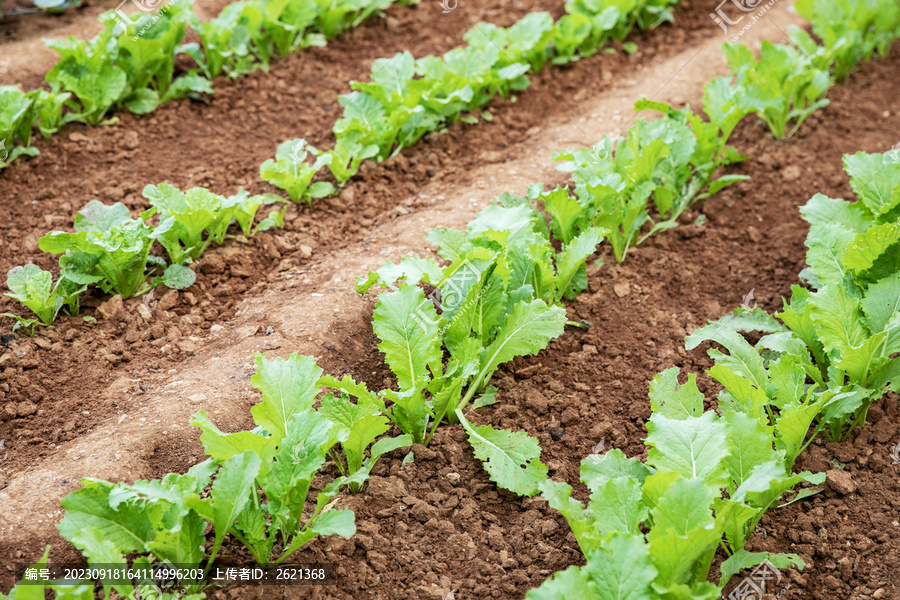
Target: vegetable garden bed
[438, 524]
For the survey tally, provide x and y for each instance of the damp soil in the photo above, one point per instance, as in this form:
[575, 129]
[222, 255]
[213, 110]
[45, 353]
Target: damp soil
[439, 524]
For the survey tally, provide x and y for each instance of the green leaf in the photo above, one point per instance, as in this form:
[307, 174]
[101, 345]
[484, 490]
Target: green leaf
[224, 446]
[142, 101]
[684, 507]
[617, 506]
[744, 359]
[571, 261]
[229, 495]
[597, 469]
[302, 453]
[527, 330]
[693, 447]
[363, 423]
[512, 459]
[873, 181]
[742, 559]
[340, 522]
[881, 306]
[289, 386]
[821, 210]
[622, 570]
[751, 445]
[739, 393]
[672, 400]
[838, 318]
[178, 277]
[389, 444]
[411, 270]
[99, 217]
[407, 325]
[862, 252]
[559, 496]
[565, 212]
[128, 529]
[572, 584]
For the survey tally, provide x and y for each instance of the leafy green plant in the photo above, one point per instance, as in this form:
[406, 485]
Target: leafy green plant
[148, 59]
[88, 70]
[255, 486]
[496, 299]
[15, 124]
[782, 87]
[361, 423]
[47, 110]
[347, 155]
[228, 39]
[286, 450]
[335, 17]
[291, 173]
[110, 249]
[287, 22]
[843, 334]
[34, 287]
[199, 217]
[653, 529]
[671, 160]
[851, 32]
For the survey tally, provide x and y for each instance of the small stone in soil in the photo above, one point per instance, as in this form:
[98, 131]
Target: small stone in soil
[840, 481]
[556, 433]
[7, 339]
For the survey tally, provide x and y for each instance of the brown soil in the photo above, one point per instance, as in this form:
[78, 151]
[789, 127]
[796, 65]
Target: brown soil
[592, 385]
[423, 533]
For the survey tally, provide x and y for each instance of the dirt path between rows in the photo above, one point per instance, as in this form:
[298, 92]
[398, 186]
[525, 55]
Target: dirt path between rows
[314, 310]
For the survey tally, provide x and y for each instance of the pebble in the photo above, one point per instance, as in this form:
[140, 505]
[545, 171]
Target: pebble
[537, 402]
[144, 312]
[622, 289]
[113, 308]
[246, 331]
[791, 173]
[305, 250]
[840, 481]
[26, 408]
[42, 343]
[754, 234]
[169, 300]
[130, 140]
